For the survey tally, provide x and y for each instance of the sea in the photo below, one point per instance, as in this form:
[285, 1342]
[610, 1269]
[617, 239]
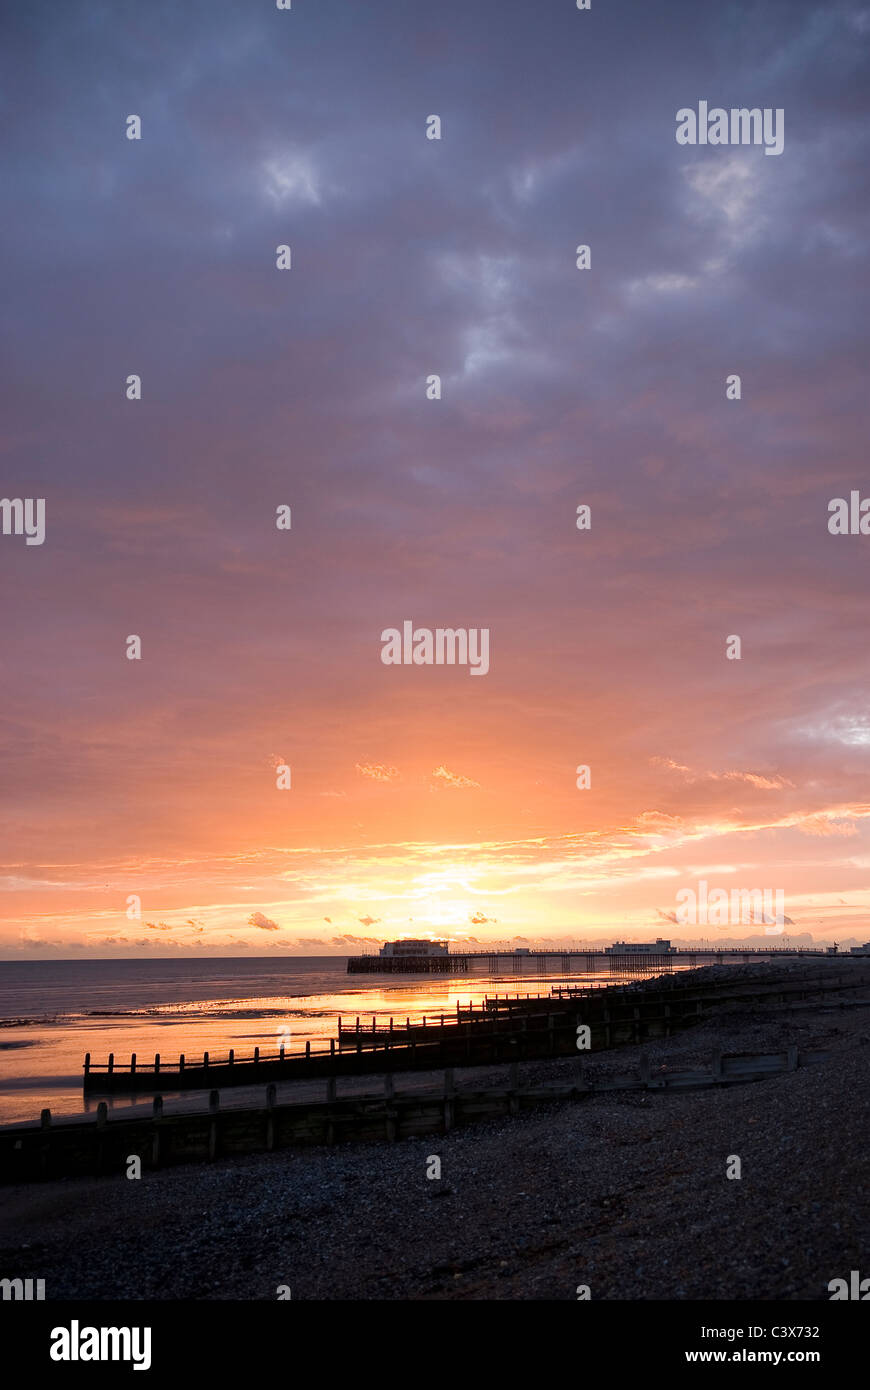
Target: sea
[54, 1012]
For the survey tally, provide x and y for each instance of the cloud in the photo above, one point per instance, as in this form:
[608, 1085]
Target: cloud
[479, 918]
[291, 177]
[755, 779]
[378, 772]
[257, 919]
[452, 779]
[658, 820]
[461, 270]
[669, 763]
[368, 921]
[763, 781]
[824, 825]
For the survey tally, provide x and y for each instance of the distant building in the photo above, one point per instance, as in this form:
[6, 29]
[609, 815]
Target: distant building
[659, 947]
[861, 950]
[411, 947]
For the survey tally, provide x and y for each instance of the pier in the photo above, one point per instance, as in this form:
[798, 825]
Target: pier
[583, 960]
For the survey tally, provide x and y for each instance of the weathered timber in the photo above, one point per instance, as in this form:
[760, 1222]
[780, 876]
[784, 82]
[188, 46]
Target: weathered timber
[101, 1146]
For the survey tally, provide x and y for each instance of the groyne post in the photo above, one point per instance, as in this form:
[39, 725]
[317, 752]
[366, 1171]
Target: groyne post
[45, 1146]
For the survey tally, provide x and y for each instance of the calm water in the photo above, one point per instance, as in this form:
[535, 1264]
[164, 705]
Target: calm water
[53, 1012]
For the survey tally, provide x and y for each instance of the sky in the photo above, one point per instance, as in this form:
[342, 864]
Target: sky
[423, 800]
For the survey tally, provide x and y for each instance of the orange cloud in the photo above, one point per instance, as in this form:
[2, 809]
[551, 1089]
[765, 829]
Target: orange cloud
[378, 772]
[453, 779]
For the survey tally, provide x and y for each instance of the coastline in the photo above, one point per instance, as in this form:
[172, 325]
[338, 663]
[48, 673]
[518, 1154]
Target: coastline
[626, 1193]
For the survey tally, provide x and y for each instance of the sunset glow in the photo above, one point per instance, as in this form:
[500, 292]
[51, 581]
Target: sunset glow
[423, 799]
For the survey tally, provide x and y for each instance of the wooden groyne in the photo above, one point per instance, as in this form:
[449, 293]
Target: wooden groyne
[502, 1031]
[105, 1146]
